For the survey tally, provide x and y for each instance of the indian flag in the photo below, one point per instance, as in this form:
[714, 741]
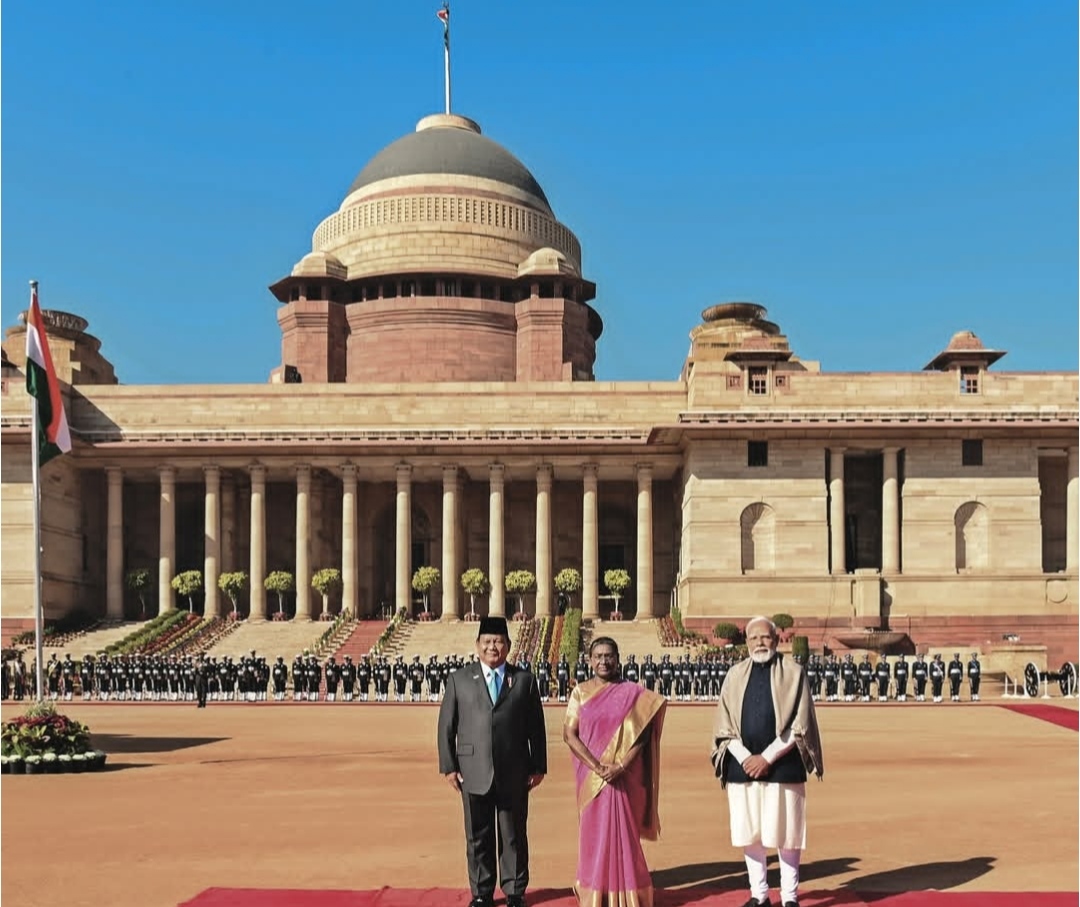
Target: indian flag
[444, 18]
[53, 437]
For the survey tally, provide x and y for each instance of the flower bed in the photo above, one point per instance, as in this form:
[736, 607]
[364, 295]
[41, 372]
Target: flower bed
[44, 741]
[134, 642]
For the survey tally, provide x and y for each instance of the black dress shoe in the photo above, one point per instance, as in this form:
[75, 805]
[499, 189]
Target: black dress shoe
[515, 900]
[754, 902]
[480, 901]
[790, 904]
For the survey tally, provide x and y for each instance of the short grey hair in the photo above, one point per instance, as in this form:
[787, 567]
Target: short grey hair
[762, 619]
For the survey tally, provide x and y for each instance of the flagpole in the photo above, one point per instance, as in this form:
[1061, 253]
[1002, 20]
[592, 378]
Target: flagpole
[35, 472]
[446, 55]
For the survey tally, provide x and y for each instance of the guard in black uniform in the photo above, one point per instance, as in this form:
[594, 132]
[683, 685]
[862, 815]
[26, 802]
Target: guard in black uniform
[900, 675]
[401, 678]
[280, 675]
[384, 674]
[333, 676]
[299, 683]
[86, 676]
[201, 682]
[649, 674]
[866, 677]
[631, 672]
[666, 676]
[937, 677]
[562, 678]
[543, 679]
[348, 679]
[920, 671]
[956, 677]
[417, 675]
[849, 674]
[813, 677]
[363, 677]
[974, 670]
[884, 674]
[581, 670]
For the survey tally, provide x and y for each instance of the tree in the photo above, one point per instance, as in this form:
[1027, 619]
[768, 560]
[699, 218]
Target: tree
[617, 582]
[188, 583]
[232, 584]
[424, 580]
[326, 582]
[567, 582]
[138, 581]
[519, 583]
[474, 583]
[280, 582]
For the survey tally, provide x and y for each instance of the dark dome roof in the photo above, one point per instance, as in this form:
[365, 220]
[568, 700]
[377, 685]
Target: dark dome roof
[449, 149]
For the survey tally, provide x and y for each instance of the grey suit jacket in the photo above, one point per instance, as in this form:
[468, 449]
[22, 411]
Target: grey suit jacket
[492, 746]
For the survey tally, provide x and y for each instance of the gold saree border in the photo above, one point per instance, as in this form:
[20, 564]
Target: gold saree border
[642, 897]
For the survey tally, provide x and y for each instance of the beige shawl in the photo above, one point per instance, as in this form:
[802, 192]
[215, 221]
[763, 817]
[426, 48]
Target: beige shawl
[792, 703]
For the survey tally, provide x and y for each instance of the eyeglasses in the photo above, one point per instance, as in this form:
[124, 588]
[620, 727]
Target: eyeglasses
[757, 638]
[604, 656]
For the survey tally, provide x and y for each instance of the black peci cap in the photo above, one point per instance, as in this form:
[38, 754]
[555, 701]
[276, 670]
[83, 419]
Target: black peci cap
[493, 626]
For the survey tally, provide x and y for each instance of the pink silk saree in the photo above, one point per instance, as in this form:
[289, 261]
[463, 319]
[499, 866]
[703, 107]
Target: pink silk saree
[611, 870]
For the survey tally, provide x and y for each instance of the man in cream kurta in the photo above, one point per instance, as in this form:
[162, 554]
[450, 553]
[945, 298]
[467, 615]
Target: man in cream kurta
[765, 743]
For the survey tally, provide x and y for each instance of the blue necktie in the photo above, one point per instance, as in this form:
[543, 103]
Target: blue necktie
[493, 686]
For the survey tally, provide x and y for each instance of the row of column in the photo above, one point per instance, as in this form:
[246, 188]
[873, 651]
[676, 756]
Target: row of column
[890, 511]
[451, 540]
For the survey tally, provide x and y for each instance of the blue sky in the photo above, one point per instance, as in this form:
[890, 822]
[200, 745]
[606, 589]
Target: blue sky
[879, 175]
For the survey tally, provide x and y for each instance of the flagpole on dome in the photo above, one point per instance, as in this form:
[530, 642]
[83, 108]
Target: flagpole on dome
[444, 18]
[35, 470]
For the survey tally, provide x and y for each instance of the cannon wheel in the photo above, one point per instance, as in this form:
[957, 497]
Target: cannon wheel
[1031, 679]
[1067, 679]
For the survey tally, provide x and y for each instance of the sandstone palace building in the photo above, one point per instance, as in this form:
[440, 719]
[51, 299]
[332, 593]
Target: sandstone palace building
[436, 405]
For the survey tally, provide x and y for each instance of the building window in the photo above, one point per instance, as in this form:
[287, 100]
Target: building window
[972, 453]
[969, 379]
[757, 453]
[781, 380]
[759, 380]
[734, 382]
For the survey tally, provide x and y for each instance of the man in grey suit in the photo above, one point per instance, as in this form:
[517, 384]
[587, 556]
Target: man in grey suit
[493, 749]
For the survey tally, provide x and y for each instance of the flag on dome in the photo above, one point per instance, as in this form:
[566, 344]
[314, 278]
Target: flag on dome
[444, 18]
[53, 437]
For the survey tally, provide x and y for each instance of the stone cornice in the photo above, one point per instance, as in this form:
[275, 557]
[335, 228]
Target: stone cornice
[879, 417]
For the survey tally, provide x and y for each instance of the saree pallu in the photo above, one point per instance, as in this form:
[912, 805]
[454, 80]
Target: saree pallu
[611, 870]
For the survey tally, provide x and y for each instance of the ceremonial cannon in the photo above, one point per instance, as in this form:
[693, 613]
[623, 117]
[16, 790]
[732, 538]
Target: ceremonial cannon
[1066, 679]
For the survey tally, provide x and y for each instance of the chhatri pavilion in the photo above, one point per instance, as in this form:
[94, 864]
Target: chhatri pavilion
[436, 405]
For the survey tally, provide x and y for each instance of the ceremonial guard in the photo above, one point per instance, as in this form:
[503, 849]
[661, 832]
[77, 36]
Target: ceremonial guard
[417, 674]
[52, 676]
[723, 665]
[920, 671]
[333, 675]
[649, 674]
[263, 675]
[581, 670]
[831, 672]
[383, 676]
[974, 670]
[813, 677]
[401, 678]
[666, 676]
[68, 671]
[937, 676]
[849, 674]
[103, 672]
[900, 675]
[631, 671]
[157, 680]
[956, 677]
[86, 676]
[202, 682]
[562, 678]
[6, 674]
[280, 675]
[299, 681]
[314, 678]
[187, 678]
[543, 679]
[883, 675]
[363, 677]
[120, 677]
[225, 682]
[866, 677]
[348, 679]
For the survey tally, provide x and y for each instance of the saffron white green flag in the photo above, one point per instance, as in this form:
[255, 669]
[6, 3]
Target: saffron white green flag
[53, 437]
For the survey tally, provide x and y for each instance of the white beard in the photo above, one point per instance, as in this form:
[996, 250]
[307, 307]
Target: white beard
[762, 657]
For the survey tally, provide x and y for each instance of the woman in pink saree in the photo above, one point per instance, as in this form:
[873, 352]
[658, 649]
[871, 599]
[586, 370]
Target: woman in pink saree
[613, 729]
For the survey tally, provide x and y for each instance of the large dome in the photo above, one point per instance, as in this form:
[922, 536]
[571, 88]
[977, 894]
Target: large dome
[450, 144]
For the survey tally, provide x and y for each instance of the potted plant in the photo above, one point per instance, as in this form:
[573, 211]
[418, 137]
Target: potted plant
[520, 583]
[16, 764]
[232, 584]
[567, 582]
[63, 763]
[97, 760]
[423, 581]
[617, 582]
[279, 582]
[78, 763]
[33, 764]
[326, 582]
[5, 765]
[474, 583]
[784, 623]
[138, 581]
[189, 583]
[725, 633]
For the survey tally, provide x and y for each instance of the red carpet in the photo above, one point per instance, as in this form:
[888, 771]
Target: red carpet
[684, 897]
[1054, 714]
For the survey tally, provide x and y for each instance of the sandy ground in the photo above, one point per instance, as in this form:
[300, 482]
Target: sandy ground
[965, 797]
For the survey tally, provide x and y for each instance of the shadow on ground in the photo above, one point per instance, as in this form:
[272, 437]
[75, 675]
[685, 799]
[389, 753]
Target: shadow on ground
[128, 743]
[922, 877]
[733, 874]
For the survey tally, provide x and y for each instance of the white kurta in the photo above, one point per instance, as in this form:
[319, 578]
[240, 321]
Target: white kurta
[767, 813]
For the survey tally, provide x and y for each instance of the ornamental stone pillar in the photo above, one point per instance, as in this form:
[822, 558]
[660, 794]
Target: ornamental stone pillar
[544, 578]
[114, 553]
[451, 564]
[403, 540]
[496, 551]
[212, 534]
[837, 542]
[257, 567]
[228, 523]
[1072, 515]
[590, 580]
[644, 542]
[890, 513]
[350, 599]
[166, 538]
[303, 542]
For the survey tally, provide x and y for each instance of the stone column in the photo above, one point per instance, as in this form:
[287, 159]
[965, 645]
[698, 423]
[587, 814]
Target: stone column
[303, 542]
[212, 534]
[496, 551]
[114, 554]
[167, 539]
[451, 568]
[836, 510]
[258, 543]
[350, 600]
[403, 541]
[590, 580]
[644, 543]
[544, 577]
[890, 513]
[1072, 516]
[228, 523]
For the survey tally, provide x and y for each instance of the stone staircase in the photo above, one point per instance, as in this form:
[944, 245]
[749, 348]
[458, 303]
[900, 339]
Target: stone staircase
[638, 638]
[427, 638]
[93, 642]
[359, 642]
[270, 638]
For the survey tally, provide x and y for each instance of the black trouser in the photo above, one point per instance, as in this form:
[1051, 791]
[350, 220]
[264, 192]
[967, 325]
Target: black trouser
[865, 682]
[954, 686]
[974, 683]
[510, 849]
[200, 693]
[901, 686]
[920, 686]
[883, 688]
[936, 685]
